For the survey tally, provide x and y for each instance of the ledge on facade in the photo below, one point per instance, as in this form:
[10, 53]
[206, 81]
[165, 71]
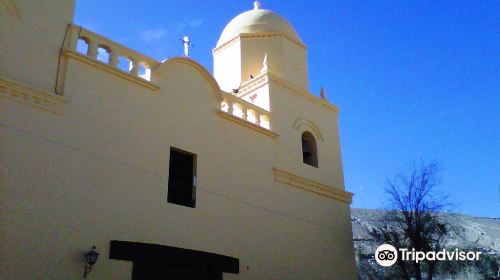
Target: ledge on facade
[248, 124]
[25, 94]
[311, 186]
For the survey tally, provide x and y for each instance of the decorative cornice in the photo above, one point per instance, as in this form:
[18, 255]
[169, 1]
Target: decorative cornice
[248, 124]
[110, 69]
[258, 35]
[311, 186]
[225, 45]
[314, 99]
[273, 34]
[21, 93]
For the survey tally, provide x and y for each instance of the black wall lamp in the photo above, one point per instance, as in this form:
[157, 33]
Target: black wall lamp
[91, 258]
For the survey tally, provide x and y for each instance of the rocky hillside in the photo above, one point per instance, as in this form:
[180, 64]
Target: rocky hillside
[478, 232]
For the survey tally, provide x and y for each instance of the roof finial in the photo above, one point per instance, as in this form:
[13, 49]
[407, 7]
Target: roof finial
[256, 5]
[187, 44]
[322, 93]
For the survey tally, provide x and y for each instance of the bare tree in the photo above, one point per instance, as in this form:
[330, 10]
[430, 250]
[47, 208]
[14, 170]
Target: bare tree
[413, 220]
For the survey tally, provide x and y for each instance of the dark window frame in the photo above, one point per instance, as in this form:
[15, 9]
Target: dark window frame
[182, 167]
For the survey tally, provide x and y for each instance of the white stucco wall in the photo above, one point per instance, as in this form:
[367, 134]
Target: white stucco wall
[227, 67]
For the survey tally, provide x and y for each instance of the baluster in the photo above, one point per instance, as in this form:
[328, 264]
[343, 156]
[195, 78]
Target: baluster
[147, 74]
[244, 113]
[113, 58]
[135, 66]
[230, 109]
[265, 122]
[257, 118]
[92, 48]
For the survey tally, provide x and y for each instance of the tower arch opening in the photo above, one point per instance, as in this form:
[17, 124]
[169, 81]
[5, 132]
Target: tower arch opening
[309, 149]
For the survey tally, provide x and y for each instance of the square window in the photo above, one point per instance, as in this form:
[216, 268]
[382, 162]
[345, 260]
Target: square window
[182, 178]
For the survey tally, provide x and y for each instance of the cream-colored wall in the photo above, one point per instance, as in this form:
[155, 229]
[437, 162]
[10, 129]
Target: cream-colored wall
[287, 108]
[30, 43]
[99, 172]
[295, 64]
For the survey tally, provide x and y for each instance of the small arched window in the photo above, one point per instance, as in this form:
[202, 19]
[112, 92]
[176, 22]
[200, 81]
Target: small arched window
[309, 150]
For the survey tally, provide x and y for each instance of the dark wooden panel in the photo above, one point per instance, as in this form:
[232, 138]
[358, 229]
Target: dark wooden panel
[160, 254]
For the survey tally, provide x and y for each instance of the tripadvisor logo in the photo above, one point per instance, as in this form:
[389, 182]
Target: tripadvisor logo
[387, 255]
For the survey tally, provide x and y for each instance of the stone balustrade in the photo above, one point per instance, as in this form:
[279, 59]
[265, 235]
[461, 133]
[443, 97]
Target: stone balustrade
[111, 53]
[245, 110]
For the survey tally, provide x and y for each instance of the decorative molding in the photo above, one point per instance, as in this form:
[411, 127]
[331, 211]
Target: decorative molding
[257, 35]
[311, 186]
[211, 80]
[249, 86]
[21, 93]
[225, 45]
[309, 126]
[110, 69]
[273, 34]
[248, 124]
[264, 78]
[314, 99]
[10, 8]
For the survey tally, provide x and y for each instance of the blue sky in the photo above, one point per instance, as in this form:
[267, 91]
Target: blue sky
[414, 79]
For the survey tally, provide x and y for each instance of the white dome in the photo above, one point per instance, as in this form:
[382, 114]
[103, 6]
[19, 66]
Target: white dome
[255, 21]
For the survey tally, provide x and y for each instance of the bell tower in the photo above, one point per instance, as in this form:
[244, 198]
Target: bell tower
[259, 41]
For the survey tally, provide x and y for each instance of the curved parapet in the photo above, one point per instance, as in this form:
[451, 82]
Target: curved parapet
[198, 67]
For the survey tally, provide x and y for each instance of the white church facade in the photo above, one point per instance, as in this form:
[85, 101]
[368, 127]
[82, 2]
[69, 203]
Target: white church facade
[170, 171]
